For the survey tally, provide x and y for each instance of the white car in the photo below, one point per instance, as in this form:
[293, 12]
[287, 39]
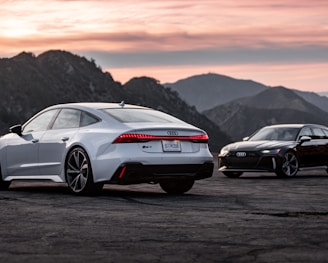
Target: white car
[89, 144]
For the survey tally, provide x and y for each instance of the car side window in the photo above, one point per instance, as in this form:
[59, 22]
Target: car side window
[40, 122]
[318, 133]
[87, 119]
[67, 119]
[326, 133]
[306, 131]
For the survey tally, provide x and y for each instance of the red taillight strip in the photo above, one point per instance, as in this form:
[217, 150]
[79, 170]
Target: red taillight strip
[135, 137]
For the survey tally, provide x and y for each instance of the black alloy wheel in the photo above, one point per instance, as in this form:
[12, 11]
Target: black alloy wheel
[4, 185]
[289, 166]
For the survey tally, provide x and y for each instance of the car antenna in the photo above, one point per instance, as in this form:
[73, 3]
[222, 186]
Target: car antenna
[122, 104]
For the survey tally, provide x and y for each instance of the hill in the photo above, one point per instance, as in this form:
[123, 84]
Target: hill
[29, 83]
[320, 100]
[276, 105]
[209, 90]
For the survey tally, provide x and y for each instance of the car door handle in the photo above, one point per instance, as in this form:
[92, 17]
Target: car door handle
[65, 139]
[35, 140]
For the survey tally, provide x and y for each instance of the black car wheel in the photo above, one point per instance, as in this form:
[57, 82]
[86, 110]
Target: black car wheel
[4, 185]
[79, 173]
[177, 186]
[232, 174]
[289, 166]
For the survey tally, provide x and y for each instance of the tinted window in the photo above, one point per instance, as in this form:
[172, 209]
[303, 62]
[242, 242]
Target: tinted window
[87, 119]
[326, 133]
[140, 115]
[41, 122]
[67, 118]
[318, 133]
[306, 131]
[276, 133]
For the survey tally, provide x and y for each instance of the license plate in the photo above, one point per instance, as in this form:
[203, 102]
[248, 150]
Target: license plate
[171, 146]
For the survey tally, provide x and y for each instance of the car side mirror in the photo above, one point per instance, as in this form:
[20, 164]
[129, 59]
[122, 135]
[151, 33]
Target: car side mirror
[16, 129]
[246, 138]
[305, 139]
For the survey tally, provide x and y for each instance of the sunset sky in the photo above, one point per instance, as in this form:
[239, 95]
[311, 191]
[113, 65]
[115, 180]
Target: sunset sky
[275, 42]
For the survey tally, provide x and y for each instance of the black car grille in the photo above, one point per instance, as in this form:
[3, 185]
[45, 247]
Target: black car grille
[243, 159]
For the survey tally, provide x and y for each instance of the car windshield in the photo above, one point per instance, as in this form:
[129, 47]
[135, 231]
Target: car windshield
[276, 134]
[140, 115]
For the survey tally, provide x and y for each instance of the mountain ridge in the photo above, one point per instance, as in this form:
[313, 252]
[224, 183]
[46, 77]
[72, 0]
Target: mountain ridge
[216, 89]
[219, 89]
[29, 83]
[243, 116]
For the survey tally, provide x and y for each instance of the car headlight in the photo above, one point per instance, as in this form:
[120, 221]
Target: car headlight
[224, 151]
[271, 151]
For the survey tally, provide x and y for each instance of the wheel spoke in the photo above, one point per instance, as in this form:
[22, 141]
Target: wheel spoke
[83, 180]
[72, 169]
[292, 158]
[74, 183]
[76, 157]
[287, 170]
[293, 166]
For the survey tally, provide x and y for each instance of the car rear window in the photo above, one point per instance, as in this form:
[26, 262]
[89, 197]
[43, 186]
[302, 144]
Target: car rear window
[140, 115]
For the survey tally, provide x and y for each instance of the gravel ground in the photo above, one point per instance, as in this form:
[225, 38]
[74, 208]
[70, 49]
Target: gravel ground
[255, 218]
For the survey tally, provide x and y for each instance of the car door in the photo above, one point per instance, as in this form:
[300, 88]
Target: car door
[320, 141]
[53, 144]
[306, 150]
[22, 150]
[325, 131]
[314, 152]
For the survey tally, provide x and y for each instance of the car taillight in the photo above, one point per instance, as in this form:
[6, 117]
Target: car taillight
[135, 137]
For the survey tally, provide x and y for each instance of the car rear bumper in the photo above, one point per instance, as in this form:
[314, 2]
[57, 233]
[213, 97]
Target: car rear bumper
[134, 173]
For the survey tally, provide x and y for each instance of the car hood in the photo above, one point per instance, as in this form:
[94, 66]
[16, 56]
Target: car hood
[258, 145]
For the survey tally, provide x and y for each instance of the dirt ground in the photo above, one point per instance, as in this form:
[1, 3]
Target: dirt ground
[255, 218]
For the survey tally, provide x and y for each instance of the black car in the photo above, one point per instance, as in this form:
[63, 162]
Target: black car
[284, 149]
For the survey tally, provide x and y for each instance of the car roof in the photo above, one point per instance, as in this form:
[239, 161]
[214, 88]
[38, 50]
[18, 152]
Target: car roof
[297, 125]
[97, 105]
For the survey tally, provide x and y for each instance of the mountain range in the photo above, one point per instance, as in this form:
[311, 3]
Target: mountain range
[240, 113]
[207, 91]
[241, 117]
[29, 83]
[227, 109]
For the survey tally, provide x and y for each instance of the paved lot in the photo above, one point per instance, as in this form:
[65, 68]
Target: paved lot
[256, 218]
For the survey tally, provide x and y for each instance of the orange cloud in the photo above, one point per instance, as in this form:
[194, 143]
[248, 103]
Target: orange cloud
[262, 29]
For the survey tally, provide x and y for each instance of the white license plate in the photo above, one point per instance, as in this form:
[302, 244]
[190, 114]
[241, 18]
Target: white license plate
[171, 146]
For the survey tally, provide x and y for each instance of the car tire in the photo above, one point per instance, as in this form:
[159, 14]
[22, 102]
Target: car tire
[232, 174]
[177, 186]
[78, 173]
[4, 185]
[289, 165]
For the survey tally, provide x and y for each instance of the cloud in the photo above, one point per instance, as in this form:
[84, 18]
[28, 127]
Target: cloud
[171, 33]
[211, 57]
